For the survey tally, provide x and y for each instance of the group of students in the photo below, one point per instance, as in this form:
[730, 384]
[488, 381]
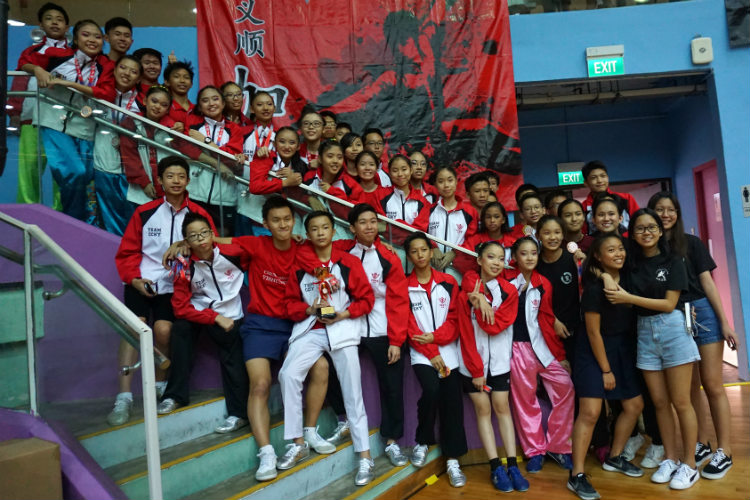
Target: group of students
[516, 318]
[600, 300]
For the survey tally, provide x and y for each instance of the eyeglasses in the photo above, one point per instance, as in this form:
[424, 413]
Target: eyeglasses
[653, 228]
[312, 124]
[199, 236]
[375, 143]
[238, 95]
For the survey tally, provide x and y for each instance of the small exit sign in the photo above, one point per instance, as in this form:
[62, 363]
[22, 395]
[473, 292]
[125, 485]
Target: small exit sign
[569, 178]
[606, 66]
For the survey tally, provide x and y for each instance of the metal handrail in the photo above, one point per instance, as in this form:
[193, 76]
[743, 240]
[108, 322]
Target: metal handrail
[107, 306]
[218, 153]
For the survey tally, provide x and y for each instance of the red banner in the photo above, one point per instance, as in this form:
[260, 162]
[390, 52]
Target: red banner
[434, 75]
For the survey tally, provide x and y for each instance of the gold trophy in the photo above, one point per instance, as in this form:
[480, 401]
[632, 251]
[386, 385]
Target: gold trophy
[327, 284]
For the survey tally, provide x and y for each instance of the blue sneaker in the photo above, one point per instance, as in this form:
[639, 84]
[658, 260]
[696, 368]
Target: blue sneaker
[534, 464]
[564, 460]
[519, 482]
[501, 480]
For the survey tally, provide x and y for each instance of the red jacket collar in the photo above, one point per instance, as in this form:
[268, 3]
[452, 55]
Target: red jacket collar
[308, 260]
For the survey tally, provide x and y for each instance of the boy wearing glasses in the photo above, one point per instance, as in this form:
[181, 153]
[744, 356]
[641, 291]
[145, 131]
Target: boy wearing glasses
[207, 300]
[375, 143]
[148, 286]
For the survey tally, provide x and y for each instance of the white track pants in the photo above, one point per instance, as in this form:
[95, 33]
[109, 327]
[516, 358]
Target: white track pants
[302, 354]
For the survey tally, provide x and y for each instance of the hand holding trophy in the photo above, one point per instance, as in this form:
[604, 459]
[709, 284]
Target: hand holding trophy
[327, 284]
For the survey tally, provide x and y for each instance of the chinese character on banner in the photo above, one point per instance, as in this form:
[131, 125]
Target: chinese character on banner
[435, 75]
[250, 42]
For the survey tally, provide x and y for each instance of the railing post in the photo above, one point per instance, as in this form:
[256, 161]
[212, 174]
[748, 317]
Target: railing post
[153, 459]
[28, 289]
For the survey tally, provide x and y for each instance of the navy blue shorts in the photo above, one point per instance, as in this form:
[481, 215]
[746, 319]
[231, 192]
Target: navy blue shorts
[621, 354]
[265, 337]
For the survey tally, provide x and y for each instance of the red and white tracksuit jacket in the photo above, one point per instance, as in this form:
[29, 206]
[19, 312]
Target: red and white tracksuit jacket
[411, 209]
[213, 287]
[209, 186]
[486, 348]
[454, 226]
[388, 281]
[436, 314]
[353, 293]
[152, 229]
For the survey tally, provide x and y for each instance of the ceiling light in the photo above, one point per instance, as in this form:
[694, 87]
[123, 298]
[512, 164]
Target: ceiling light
[13, 22]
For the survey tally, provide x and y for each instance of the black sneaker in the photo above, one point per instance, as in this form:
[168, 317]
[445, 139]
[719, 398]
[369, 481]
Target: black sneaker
[619, 464]
[702, 453]
[718, 467]
[579, 484]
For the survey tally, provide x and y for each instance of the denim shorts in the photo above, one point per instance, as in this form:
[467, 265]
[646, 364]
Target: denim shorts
[706, 328]
[663, 342]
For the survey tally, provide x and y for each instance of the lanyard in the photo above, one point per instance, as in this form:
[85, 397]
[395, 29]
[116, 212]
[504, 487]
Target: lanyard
[120, 115]
[262, 142]
[209, 134]
[79, 72]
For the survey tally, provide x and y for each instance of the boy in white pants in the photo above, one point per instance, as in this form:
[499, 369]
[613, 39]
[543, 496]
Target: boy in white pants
[328, 297]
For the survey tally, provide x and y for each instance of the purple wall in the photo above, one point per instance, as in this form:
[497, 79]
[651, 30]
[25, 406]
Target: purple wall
[82, 477]
[71, 329]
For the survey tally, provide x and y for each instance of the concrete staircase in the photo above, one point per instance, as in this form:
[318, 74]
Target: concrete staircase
[199, 464]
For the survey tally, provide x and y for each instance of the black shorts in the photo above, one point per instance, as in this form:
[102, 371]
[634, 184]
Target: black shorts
[498, 383]
[152, 308]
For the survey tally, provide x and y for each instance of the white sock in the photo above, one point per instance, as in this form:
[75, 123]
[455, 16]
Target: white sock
[125, 395]
[313, 430]
[452, 461]
[267, 449]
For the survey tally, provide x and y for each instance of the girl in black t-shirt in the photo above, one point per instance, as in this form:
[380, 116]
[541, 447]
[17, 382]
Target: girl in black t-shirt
[712, 329]
[559, 267]
[605, 361]
[666, 351]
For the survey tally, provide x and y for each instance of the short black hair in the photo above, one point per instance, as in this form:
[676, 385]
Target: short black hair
[552, 195]
[528, 196]
[130, 57]
[343, 125]
[591, 166]
[521, 189]
[191, 217]
[474, 178]
[359, 209]
[318, 213]
[115, 22]
[419, 235]
[274, 202]
[148, 51]
[171, 67]
[373, 130]
[491, 174]
[329, 114]
[51, 6]
[172, 161]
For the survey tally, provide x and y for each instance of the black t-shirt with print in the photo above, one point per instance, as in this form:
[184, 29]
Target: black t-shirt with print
[563, 274]
[520, 328]
[615, 319]
[698, 261]
[652, 277]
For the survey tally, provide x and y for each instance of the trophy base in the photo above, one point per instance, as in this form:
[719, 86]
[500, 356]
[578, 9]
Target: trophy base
[326, 312]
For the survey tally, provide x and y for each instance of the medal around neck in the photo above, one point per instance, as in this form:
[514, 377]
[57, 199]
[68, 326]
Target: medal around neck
[86, 111]
[572, 247]
[528, 230]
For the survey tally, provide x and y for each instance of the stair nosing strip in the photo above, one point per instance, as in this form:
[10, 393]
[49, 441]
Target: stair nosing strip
[303, 465]
[140, 420]
[195, 454]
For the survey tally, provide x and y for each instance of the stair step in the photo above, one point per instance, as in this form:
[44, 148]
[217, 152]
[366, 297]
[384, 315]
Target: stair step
[310, 475]
[386, 476]
[127, 442]
[185, 467]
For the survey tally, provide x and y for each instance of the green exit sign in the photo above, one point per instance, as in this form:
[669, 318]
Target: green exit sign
[606, 66]
[569, 178]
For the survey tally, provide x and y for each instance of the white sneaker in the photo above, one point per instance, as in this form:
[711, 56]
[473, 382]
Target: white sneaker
[455, 474]
[267, 469]
[632, 446]
[316, 442]
[653, 457]
[684, 477]
[366, 472]
[419, 455]
[120, 414]
[665, 471]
